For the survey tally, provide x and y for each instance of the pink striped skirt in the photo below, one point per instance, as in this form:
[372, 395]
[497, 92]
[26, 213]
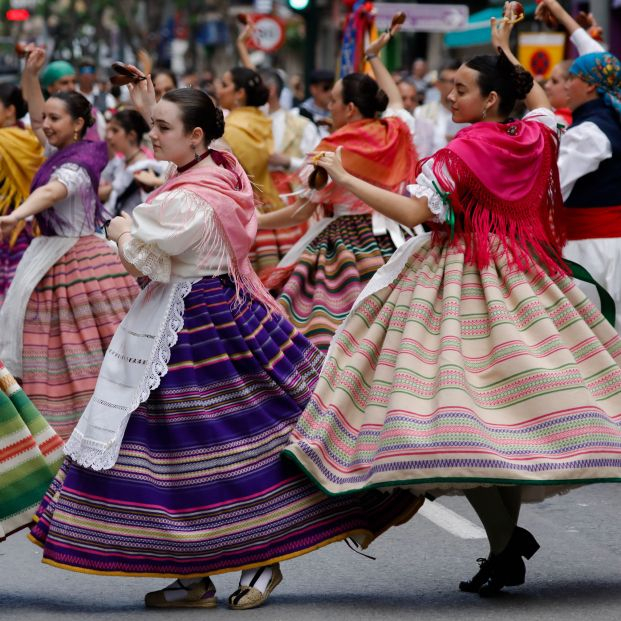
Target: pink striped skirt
[69, 322]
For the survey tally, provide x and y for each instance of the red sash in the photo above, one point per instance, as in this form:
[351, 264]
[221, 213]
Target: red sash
[593, 222]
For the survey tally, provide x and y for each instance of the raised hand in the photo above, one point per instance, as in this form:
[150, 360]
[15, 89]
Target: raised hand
[142, 95]
[35, 59]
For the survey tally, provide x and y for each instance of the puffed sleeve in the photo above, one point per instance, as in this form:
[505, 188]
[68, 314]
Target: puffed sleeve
[170, 225]
[427, 186]
[542, 115]
[72, 176]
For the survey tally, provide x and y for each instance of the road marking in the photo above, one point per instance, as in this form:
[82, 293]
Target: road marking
[450, 521]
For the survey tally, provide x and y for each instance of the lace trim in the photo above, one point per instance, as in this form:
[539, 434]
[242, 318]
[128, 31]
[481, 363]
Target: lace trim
[95, 455]
[165, 342]
[148, 259]
[436, 205]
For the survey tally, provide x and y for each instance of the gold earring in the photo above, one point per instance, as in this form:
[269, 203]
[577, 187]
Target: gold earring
[75, 136]
[484, 115]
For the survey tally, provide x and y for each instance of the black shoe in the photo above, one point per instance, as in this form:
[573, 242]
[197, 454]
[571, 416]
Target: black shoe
[507, 568]
[506, 571]
[525, 543]
[480, 578]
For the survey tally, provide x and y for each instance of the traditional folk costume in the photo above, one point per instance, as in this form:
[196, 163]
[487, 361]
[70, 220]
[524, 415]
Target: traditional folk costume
[590, 165]
[472, 359]
[30, 455]
[175, 468]
[21, 155]
[294, 136]
[327, 269]
[249, 134]
[68, 296]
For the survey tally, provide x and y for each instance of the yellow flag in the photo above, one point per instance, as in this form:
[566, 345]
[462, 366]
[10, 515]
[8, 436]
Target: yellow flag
[538, 52]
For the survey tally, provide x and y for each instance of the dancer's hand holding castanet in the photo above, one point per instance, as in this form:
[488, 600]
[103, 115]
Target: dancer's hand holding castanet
[332, 162]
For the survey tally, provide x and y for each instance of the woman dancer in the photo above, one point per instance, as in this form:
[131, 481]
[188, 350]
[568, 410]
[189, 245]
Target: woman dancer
[70, 290]
[557, 93]
[248, 131]
[326, 270]
[119, 188]
[20, 158]
[175, 467]
[30, 455]
[472, 363]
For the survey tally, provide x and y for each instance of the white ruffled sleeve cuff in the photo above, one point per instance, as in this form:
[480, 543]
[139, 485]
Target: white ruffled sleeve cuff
[424, 188]
[149, 259]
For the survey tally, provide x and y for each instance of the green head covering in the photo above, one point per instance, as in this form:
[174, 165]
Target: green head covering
[54, 71]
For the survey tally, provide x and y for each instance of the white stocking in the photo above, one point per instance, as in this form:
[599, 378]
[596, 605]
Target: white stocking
[259, 577]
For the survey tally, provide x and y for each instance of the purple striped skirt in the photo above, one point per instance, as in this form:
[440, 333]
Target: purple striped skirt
[200, 486]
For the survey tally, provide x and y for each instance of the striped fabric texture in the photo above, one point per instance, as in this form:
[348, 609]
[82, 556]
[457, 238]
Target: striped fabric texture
[271, 245]
[200, 486]
[70, 320]
[453, 377]
[30, 455]
[10, 256]
[330, 274]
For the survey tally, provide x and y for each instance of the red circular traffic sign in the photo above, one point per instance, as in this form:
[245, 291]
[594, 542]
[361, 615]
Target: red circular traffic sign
[269, 32]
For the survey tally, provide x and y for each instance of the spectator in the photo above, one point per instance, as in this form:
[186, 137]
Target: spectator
[87, 85]
[316, 106]
[438, 112]
[409, 94]
[164, 80]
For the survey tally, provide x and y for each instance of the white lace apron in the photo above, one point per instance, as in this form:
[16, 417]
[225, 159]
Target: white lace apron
[133, 366]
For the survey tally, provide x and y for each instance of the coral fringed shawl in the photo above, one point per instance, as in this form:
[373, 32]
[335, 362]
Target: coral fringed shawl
[506, 183]
[379, 151]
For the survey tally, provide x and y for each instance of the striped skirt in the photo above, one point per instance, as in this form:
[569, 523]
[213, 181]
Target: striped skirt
[453, 377]
[70, 319]
[30, 455]
[330, 274]
[270, 246]
[10, 256]
[199, 486]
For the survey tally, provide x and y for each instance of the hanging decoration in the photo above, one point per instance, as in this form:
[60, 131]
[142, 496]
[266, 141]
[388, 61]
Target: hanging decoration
[358, 31]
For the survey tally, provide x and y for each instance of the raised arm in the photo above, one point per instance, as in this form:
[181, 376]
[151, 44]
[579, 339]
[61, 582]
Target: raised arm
[31, 89]
[382, 75]
[242, 47]
[407, 211]
[559, 13]
[579, 36]
[143, 96]
[501, 31]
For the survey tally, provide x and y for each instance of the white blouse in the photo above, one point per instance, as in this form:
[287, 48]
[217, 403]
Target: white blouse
[176, 236]
[77, 209]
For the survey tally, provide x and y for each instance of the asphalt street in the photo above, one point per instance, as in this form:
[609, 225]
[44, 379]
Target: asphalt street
[575, 576]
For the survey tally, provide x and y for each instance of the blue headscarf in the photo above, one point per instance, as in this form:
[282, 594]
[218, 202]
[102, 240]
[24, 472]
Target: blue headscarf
[602, 69]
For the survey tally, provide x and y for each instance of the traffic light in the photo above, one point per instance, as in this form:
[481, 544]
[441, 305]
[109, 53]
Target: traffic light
[17, 15]
[299, 5]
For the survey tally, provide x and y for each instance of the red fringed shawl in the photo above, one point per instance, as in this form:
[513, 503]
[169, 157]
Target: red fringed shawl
[506, 184]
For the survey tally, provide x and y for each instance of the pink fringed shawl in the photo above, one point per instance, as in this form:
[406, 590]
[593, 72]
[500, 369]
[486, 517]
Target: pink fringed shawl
[506, 184]
[227, 189]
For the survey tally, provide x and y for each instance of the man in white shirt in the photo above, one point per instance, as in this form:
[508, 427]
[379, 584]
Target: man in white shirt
[294, 135]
